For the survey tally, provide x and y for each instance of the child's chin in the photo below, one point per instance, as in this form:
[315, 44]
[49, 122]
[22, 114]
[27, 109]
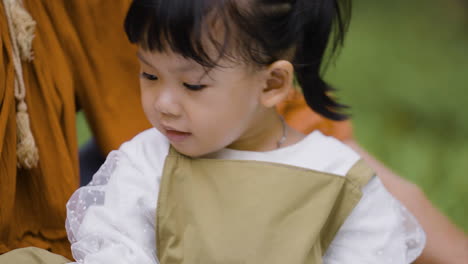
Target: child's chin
[194, 151]
[189, 152]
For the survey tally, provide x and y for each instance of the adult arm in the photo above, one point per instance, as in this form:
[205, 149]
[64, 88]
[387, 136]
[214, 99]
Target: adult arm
[446, 243]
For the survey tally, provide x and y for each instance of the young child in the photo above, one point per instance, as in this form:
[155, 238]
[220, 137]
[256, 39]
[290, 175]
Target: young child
[221, 178]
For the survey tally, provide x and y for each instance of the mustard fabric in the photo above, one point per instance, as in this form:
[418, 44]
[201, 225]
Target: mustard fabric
[31, 255]
[82, 59]
[230, 211]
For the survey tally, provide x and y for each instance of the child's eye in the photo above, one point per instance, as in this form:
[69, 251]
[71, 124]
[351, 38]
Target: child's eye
[194, 87]
[148, 76]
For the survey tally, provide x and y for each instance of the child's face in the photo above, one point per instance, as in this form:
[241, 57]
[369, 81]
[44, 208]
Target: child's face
[201, 113]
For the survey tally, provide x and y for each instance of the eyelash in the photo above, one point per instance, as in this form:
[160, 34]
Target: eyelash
[149, 77]
[191, 87]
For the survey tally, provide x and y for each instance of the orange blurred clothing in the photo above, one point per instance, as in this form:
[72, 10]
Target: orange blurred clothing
[298, 115]
[32, 201]
[82, 59]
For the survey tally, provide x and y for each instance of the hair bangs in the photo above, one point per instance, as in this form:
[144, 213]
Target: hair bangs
[185, 27]
[308, 33]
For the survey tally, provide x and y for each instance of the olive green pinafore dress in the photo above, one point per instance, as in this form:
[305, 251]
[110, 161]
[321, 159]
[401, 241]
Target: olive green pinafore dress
[232, 212]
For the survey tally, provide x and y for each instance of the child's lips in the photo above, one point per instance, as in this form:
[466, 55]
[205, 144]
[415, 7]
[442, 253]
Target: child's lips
[177, 136]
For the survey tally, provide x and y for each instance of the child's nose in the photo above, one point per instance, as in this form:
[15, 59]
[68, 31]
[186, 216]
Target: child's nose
[166, 103]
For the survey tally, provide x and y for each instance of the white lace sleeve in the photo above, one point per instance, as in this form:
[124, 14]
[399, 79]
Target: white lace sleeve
[379, 230]
[112, 219]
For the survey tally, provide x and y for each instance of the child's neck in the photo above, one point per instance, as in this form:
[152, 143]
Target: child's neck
[265, 135]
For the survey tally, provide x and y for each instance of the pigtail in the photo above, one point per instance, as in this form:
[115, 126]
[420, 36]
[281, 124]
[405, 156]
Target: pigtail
[316, 19]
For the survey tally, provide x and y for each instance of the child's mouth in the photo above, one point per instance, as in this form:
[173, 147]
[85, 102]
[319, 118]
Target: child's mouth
[177, 136]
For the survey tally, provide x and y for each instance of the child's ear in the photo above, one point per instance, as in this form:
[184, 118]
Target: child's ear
[278, 82]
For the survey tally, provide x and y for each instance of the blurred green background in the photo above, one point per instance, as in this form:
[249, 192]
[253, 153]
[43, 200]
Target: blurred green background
[404, 71]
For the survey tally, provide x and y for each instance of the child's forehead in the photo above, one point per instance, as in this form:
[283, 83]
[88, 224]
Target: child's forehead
[168, 60]
[175, 62]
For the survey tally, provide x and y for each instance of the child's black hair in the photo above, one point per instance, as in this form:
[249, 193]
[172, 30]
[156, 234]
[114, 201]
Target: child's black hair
[258, 31]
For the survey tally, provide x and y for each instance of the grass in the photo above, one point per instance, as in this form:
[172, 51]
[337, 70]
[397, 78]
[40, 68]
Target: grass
[404, 71]
[84, 133]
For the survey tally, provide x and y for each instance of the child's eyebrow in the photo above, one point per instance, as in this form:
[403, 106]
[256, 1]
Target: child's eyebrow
[183, 68]
[142, 59]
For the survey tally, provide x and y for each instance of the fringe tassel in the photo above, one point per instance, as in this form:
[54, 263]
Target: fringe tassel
[24, 28]
[26, 150]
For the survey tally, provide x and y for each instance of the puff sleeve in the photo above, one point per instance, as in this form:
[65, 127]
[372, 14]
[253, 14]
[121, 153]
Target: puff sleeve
[111, 220]
[379, 230]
